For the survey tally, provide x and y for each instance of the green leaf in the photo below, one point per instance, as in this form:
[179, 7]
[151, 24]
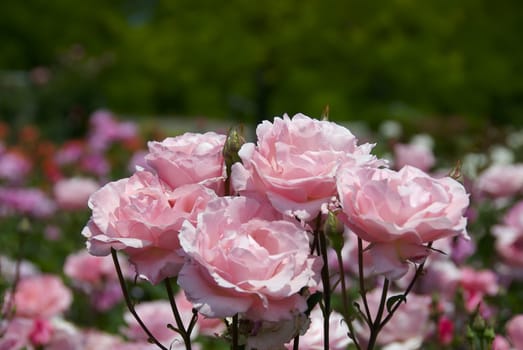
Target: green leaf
[395, 299]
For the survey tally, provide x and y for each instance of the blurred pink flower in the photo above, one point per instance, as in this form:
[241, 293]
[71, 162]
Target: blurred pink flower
[16, 335]
[514, 329]
[95, 163]
[445, 330]
[397, 212]
[409, 326]
[294, 163]
[476, 284]
[242, 259]
[501, 180]
[142, 216]
[500, 343]
[14, 166]
[96, 276]
[509, 236]
[206, 325]
[189, 159]
[313, 337]
[156, 315]
[70, 152]
[25, 201]
[73, 193]
[83, 267]
[106, 129]
[41, 296]
[267, 335]
[417, 155]
[138, 161]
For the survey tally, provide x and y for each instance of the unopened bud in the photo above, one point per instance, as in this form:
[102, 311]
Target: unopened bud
[334, 228]
[455, 173]
[24, 225]
[325, 113]
[233, 143]
[478, 324]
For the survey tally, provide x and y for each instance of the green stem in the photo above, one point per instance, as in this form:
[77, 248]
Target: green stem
[235, 332]
[129, 303]
[393, 309]
[326, 289]
[179, 323]
[376, 324]
[344, 297]
[367, 316]
[296, 343]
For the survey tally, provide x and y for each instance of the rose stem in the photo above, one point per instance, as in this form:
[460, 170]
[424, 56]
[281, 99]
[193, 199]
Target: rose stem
[363, 292]
[375, 326]
[326, 289]
[344, 298]
[179, 323]
[129, 303]
[393, 309]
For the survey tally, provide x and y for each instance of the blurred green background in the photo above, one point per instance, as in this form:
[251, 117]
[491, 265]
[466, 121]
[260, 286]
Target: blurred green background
[437, 66]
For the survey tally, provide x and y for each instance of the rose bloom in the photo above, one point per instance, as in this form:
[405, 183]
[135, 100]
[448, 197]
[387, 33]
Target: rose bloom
[41, 296]
[408, 327]
[398, 212]
[313, 338]
[242, 259]
[73, 193]
[417, 155]
[509, 236]
[501, 180]
[142, 216]
[295, 161]
[189, 159]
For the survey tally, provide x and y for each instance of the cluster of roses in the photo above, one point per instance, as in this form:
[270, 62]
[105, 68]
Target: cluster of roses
[238, 224]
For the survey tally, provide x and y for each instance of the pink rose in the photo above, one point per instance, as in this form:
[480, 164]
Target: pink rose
[85, 268]
[501, 180]
[16, 335]
[295, 161]
[477, 284]
[142, 216]
[189, 159]
[73, 193]
[397, 212]
[417, 155]
[509, 236]
[242, 259]
[500, 343]
[41, 296]
[313, 338]
[515, 331]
